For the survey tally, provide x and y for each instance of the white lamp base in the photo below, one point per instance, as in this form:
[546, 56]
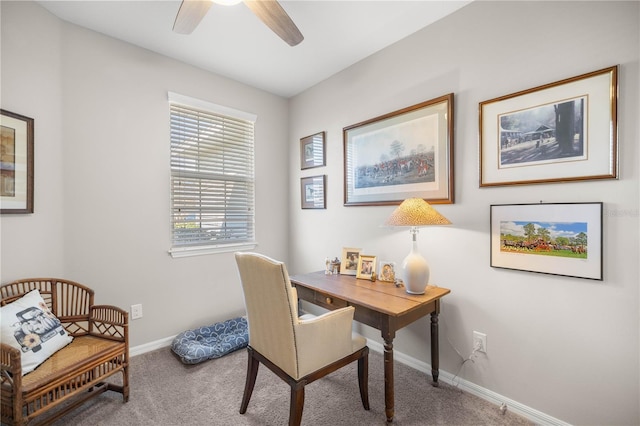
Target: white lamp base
[416, 272]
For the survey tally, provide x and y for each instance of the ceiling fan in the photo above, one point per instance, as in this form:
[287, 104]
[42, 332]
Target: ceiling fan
[270, 12]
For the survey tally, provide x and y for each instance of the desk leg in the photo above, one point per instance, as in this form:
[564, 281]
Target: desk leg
[435, 351]
[388, 378]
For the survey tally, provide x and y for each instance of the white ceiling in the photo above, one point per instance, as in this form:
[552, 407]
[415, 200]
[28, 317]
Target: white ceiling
[232, 42]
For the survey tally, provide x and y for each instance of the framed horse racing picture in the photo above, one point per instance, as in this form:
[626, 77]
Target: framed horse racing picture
[555, 238]
[403, 154]
[559, 132]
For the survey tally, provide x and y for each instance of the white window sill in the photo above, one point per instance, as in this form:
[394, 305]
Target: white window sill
[202, 250]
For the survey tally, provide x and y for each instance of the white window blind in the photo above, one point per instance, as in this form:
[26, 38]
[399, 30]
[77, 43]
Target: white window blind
[212, 178]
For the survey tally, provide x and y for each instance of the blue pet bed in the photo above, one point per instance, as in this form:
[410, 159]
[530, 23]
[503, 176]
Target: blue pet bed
[214, 341]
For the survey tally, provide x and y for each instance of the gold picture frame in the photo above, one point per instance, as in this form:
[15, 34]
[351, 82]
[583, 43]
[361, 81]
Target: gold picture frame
[403, 154]
[350, 257]
[366, 266]
[559, 132]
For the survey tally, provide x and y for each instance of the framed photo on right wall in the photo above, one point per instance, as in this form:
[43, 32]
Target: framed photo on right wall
[559, 132]
[555, 238]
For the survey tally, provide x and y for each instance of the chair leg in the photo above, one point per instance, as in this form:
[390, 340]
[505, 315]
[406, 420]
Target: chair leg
[252, 374]
[363, 378]
[297, 403]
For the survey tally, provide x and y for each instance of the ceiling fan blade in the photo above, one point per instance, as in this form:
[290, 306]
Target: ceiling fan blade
[190, 14]
[273, 15]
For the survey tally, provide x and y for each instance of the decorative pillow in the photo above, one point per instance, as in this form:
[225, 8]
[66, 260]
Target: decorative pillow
[29, 325]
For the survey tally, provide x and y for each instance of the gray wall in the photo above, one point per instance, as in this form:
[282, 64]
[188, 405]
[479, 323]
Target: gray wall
[567, 347]
[102, 172]
[564, 346]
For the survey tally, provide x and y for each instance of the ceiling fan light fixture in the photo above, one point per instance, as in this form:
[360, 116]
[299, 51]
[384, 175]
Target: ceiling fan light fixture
[269, 12]
[227, 2]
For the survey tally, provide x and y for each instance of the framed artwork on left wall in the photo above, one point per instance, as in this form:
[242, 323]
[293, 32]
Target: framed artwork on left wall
[16, 163]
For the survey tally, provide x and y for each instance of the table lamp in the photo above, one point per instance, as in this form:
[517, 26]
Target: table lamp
[415, 212]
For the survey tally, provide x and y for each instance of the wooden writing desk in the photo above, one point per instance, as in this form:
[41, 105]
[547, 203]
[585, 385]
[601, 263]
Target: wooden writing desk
[378, 304]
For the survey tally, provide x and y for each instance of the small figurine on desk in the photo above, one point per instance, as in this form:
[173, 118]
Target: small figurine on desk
[327, 263]
[335, 266]
[399, 282]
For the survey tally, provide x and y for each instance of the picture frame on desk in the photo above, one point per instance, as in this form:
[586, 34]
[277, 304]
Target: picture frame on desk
[350, 257]
[403, 154]
[366, 266]
[559, 132]
[554, 238]
[387, 272]
[16, 163]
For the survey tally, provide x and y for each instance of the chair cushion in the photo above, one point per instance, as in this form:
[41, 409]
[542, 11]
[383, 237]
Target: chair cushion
[29, 325]
[79, 356]
[214, 341]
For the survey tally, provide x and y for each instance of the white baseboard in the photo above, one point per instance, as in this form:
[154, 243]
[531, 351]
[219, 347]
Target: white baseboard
[151, 346]
[535, 416]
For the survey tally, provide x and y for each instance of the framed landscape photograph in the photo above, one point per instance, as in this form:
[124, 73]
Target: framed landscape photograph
[559, 132]
[312, 192]
[403, 154]
[350, 257]
[555, 238]
[312, 152]
[366, 266]
[16, 163]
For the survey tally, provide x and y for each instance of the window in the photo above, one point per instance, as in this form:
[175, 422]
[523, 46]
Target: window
[212, 179]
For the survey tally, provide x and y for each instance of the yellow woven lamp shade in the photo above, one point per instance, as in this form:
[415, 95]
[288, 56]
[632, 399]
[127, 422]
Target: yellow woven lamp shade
[416, 212]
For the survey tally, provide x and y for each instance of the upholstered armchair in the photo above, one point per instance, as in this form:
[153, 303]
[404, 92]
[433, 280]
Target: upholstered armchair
[298, 350]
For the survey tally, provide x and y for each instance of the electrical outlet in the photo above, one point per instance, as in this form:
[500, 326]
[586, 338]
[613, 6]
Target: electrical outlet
[136, 311]
[480, 341]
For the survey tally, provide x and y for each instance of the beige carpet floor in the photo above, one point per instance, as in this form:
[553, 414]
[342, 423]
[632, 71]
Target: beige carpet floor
[166, 392]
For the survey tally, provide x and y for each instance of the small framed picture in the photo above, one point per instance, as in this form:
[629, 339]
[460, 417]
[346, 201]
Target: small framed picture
[312, 153]
[387, 272]
[349, 264]
[366, 266]
[312, 192]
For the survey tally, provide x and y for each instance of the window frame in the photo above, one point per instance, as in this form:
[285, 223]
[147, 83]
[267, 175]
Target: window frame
[199, 105]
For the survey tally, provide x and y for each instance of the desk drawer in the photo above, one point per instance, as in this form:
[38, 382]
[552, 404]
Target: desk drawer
[328, 302]
[320, 299]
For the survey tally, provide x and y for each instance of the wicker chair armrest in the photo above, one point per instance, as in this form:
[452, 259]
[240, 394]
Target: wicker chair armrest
[109, 321]
[10, 366]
